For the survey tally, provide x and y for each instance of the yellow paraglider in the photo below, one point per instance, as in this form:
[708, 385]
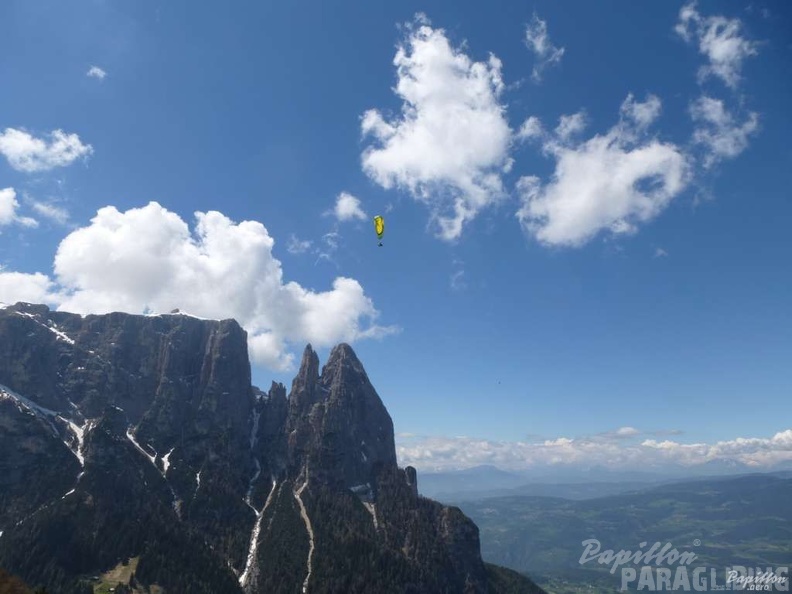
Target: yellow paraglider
[379, 227]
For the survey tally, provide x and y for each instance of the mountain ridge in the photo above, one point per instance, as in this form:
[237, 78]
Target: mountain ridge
[144, 437]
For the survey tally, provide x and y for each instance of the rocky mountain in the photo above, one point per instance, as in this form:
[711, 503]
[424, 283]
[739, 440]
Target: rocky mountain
[135, 449]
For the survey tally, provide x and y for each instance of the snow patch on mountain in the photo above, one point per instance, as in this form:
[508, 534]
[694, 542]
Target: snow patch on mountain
[152, 459]
[166, 461]
[309, 529]
[250, 563]
[7, 393]
[54, 329]
[27, 406]
[373, 511]
[79, 433]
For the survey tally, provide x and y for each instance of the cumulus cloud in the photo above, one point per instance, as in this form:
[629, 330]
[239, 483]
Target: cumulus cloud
[569, 125]
[8, 210]
[621, 449]
[538, 41]
[450, 144]
[27, 153]
[347, 208]
[641, 114]
[30, 288]
[613, 182]
[720, 40]
[531, 129]
[96, 72]
[718, 131]
[753, 451]
[148, 259]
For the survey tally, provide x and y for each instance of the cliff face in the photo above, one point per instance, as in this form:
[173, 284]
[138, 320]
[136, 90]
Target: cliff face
[141, 436]
[338, 427]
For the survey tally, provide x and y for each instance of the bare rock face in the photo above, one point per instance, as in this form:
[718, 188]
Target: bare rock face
[161, 370]
[119, 414]
[338, 429]
[411, 478]
[305, 390]
[126, 436]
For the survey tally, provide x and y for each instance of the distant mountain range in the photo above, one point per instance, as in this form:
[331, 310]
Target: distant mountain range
[726, 521]
[484, 481]
[136, 455]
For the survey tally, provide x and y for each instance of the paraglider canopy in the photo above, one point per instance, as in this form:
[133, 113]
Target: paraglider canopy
[379, 227]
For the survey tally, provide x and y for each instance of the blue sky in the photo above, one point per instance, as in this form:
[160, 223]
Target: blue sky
[587, 206]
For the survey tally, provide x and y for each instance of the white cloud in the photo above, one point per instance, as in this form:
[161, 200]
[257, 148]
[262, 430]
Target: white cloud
[622, 449]
[451, 142]
[660, 253]
[8, 210]
[8, 206]
[717, 130]
[538, 41]
[30, 288]
[754, 451]
[569, 125]
[332, 239]
[347, 208]
[50, 211]
[96, 72]
[298, 246]
[326, 248]
[622, 432]
[643, 114]
[531, 128]
[147, 259]
[27, 153]
[720, 40]
[614, 181]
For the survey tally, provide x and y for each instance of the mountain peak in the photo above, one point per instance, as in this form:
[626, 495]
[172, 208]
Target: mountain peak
[154, 418]
[337, 421]
[308, 374]
[341, 361]
[342, 351]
